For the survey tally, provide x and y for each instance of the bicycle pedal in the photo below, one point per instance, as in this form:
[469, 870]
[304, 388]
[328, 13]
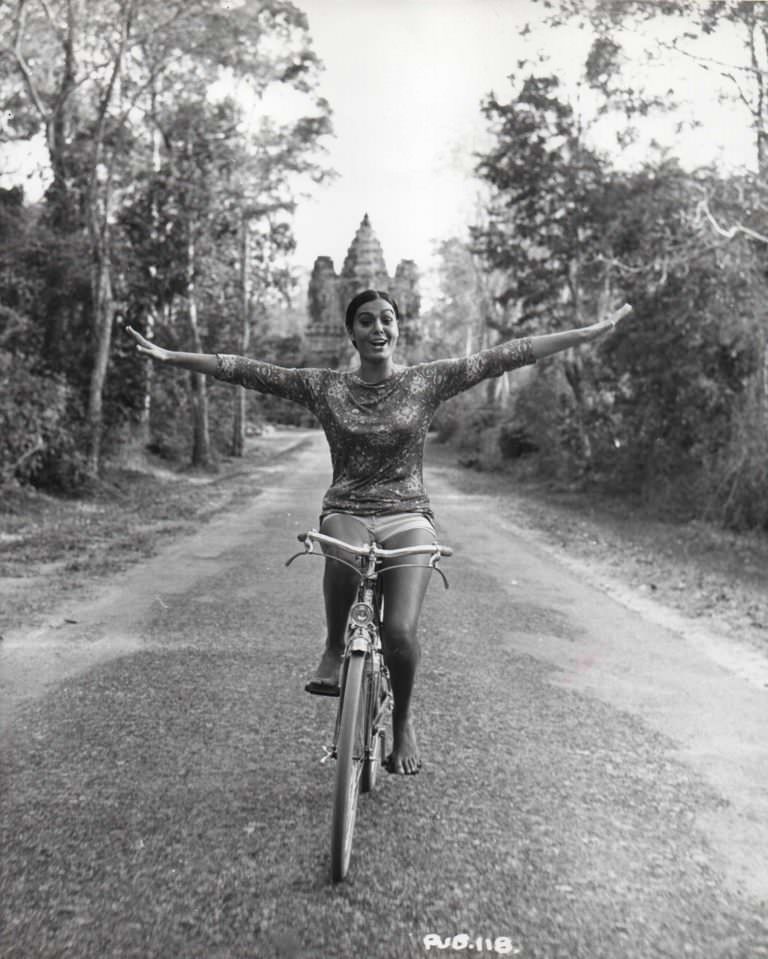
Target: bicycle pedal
[328, 753]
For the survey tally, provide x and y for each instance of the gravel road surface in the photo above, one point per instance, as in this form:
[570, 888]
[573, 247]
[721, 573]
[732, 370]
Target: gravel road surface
[594, 786]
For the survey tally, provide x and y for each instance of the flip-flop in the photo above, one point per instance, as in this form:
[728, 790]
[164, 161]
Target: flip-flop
[322, 687]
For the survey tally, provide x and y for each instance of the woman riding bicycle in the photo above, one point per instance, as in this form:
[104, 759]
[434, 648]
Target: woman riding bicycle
[376, 419]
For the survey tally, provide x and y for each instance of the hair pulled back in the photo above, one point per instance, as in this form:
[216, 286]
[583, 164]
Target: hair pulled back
[366, 297]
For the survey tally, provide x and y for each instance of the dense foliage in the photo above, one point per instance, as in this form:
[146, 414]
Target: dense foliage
[170, 210]
[674, 406]
[168, 207]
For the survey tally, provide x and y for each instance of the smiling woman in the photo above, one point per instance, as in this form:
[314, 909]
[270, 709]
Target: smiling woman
[372, 319]
[376, 421]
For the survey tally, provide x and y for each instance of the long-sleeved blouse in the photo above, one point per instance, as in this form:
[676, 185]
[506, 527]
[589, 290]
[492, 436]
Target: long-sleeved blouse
[376, 431]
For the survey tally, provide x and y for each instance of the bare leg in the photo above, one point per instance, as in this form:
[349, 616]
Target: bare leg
[404, 591]
[339, 585]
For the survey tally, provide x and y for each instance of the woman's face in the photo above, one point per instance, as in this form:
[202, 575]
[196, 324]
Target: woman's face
[374, 330]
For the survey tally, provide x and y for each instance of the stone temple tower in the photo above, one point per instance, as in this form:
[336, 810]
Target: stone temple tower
[329, 293]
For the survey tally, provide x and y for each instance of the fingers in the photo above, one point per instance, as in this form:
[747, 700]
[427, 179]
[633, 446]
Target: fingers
[136, 335]
[143, 345]
[620, 314]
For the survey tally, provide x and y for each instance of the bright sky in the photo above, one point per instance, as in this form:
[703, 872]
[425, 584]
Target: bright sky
[405, 79]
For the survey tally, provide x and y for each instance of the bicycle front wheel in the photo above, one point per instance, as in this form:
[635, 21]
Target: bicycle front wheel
[350, 758]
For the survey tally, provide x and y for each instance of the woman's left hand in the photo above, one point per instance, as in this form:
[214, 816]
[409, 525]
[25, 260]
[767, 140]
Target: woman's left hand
[606, 326]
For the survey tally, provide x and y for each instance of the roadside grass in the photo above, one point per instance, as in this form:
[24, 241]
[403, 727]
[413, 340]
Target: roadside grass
[700, 570]
[51, 545]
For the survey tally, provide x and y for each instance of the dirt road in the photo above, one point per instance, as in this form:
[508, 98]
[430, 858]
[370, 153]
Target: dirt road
[594, 781]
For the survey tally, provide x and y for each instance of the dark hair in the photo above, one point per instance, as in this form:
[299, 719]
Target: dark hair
[366, 297]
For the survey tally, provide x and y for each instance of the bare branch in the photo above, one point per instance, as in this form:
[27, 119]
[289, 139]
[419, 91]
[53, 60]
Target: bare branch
[754, 110]
[758, 75]
[49, 17]
[621, 267]
[106, 99]
[8, 473]
[26, 73]
[699, 58]
[729, 234]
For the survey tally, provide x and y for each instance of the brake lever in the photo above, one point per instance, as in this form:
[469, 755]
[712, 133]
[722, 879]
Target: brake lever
[434, 564]
[309, 551]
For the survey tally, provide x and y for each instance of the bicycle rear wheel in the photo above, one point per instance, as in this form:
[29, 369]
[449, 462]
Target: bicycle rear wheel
[350, 758]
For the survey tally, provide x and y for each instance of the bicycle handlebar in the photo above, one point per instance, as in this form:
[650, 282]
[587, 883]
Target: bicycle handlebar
[373, 548]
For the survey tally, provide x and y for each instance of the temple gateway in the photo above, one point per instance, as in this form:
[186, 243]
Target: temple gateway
[364, 268]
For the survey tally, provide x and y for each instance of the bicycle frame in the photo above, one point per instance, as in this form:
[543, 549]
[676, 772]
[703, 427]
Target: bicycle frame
[363, 632]
[363, 637]
[359, 732]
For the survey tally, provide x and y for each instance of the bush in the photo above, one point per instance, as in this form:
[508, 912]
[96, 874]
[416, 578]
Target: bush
[737, 490]
[515, 441]
[39, 429]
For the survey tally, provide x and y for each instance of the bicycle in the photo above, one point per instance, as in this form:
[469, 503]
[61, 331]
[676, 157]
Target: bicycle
[365, 691]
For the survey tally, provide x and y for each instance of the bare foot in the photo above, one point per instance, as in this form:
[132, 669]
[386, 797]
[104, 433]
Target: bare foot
[328, 670]
[404, 758]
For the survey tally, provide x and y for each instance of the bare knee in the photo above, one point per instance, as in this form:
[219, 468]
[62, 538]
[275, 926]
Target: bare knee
[400, 642]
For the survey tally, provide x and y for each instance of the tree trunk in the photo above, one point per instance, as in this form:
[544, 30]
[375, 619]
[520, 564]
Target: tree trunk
[61, 197]
[103, 309]
[238, 425]
[573, 366]
[143, 432]
[238, 422]
[201, 438]
[573, 374]
[98, 208]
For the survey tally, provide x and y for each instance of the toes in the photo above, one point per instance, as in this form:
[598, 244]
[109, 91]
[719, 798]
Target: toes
[403, 767]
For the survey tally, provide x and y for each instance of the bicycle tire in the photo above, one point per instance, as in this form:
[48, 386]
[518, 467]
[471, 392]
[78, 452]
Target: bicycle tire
[350, 758]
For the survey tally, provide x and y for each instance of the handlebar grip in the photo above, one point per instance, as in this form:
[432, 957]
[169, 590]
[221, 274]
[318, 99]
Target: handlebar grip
[446, 551]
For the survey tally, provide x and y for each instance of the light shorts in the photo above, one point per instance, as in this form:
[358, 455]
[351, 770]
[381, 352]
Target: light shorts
[381, 528]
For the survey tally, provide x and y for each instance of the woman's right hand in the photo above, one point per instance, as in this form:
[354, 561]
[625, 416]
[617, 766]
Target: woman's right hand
[147, 347]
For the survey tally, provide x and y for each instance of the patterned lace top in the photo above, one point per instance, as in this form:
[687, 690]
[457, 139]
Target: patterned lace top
[376, 432]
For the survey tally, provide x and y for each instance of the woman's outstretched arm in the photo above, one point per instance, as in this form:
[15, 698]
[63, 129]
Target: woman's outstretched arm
[196, 362]
[550, 343]
[298, 385]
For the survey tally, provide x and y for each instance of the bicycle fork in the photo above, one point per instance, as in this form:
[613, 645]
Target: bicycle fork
[364, 640]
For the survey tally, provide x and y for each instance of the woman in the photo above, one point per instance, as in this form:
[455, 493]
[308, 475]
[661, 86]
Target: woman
[376, 420]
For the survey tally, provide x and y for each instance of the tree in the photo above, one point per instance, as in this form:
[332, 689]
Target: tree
[686, 32]
[91, 75]
[540, 231]
[260, 252]
[570, 233]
